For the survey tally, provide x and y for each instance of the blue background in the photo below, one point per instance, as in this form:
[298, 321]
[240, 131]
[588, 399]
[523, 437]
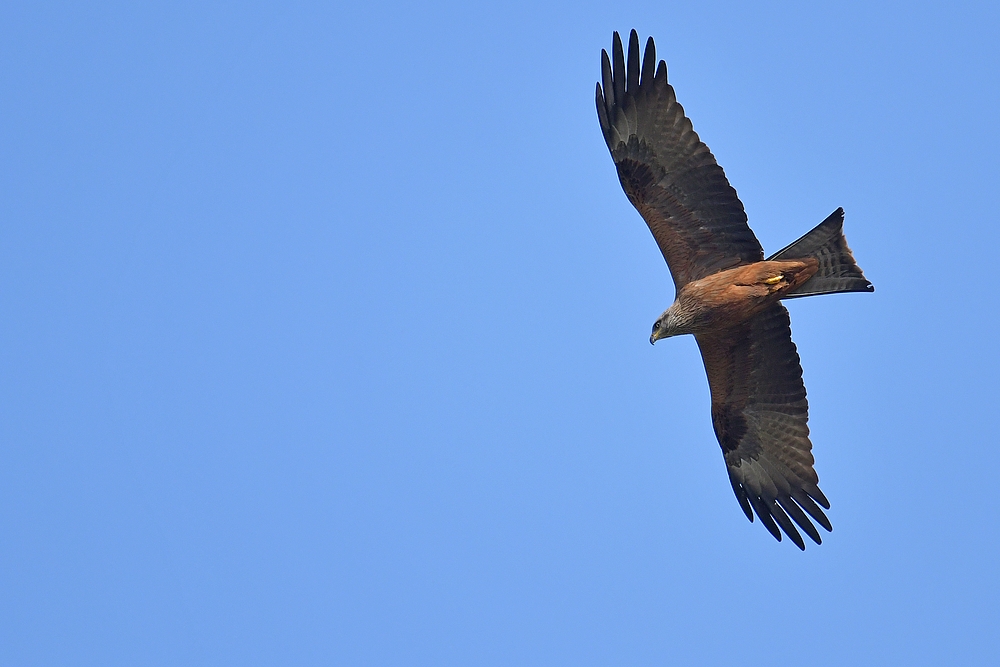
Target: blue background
[323, 338]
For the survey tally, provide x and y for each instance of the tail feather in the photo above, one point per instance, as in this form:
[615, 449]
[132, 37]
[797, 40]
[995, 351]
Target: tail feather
[838, 272]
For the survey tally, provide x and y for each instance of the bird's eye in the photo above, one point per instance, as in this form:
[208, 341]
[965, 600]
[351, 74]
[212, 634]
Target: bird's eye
[656, 325]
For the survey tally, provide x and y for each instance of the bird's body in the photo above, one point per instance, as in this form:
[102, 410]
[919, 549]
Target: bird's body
[727, 293]
[728, 298]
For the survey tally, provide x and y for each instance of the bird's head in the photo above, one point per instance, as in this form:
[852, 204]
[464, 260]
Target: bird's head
[665, 326]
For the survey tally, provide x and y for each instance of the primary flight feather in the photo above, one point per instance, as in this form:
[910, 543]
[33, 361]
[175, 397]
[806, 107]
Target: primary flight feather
[727, 295]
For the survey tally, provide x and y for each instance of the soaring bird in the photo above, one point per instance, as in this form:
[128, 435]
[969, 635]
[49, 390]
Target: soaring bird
[727, 295]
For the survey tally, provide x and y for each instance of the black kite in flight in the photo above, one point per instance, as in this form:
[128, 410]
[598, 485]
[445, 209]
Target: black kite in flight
[727, 294]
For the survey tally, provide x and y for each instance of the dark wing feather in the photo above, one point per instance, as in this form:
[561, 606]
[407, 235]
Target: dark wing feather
[669, 175]
[759, 411]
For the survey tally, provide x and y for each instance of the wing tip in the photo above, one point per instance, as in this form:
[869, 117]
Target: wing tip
[781, 512]
[630, 68]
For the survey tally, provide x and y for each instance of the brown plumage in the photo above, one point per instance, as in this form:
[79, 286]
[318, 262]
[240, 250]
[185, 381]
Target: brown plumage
[727, 293]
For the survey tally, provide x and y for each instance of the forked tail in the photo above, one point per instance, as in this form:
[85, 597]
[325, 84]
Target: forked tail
[838, 272]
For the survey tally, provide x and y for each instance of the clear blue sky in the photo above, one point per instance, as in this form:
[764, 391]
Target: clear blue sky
[323, 338]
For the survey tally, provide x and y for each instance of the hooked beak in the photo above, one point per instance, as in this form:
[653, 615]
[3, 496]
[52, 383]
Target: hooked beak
[655, 337]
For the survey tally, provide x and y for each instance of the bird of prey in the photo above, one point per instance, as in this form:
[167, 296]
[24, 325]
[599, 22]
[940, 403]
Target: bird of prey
[727, 295]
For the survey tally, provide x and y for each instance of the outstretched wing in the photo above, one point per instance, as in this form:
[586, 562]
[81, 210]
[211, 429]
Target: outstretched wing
[759, 411]
[669, 175]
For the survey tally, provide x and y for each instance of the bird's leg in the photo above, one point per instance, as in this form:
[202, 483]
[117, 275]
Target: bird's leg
[776, 283]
